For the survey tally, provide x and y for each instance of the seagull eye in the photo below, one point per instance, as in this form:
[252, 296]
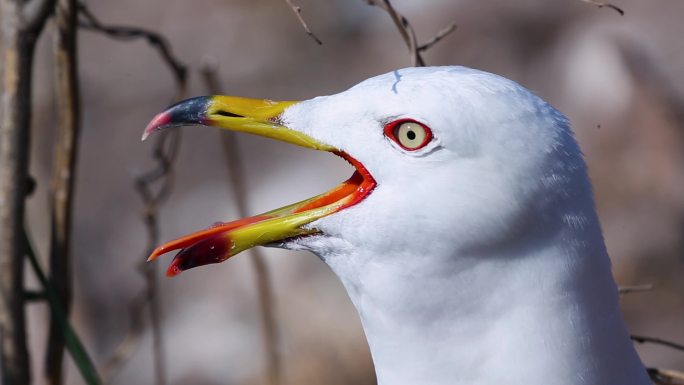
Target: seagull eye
[409, 134]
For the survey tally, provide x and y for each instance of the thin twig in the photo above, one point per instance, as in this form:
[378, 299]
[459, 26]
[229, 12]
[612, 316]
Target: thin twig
[404, 28]
[645, 71]
[266, 303]
[650, 76]
[298, 12]
[657, 341]
[161, 177]
[665, 376]
[408, 34]
[126, 33]
[601, 4]
[127, 347]
[65, 150]
[440, 35]
[624, 290]
[164, 153]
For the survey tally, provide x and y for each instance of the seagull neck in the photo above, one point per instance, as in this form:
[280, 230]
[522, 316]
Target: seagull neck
[545, 316]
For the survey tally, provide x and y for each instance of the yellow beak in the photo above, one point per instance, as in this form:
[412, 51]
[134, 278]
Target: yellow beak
[253, 116]
[259, 117]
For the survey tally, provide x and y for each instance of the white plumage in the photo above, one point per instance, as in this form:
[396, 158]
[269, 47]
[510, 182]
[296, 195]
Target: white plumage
[477, 259]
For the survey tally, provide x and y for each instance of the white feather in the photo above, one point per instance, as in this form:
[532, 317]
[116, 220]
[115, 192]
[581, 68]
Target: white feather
[478, 260]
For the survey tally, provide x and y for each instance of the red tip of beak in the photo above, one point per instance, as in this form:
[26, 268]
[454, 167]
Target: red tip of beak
[173, 270]
[213, 249]
[162, 119]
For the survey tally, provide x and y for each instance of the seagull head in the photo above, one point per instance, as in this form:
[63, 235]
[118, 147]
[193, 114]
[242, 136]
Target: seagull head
[445, 158]
[466, 237]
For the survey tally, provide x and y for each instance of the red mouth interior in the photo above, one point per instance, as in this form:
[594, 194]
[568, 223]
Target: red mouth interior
[359, 186]
[213, 245]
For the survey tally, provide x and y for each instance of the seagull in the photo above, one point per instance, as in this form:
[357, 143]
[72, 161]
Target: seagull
[467, 237]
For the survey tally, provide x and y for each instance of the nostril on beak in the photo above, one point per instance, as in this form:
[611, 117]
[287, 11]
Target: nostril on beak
[228, 114]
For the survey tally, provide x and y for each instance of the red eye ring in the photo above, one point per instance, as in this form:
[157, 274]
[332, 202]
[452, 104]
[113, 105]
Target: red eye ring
[392, 131]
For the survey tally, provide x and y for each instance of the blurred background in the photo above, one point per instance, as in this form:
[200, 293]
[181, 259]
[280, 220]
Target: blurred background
[620, 80]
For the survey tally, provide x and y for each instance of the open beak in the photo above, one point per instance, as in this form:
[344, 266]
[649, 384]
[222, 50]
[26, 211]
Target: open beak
[259, 117]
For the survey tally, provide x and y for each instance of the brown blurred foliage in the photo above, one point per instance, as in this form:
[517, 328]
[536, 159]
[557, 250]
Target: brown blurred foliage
[620, 80]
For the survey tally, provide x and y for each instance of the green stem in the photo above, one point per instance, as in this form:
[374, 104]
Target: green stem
[73, 344]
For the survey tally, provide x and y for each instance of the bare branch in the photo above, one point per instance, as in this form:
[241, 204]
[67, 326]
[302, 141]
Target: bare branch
[657, 341]
[153, 187]
[63, 176]
[624, 290]
[17, 39]
[440, 35]
[404, 28]
[156, 40]
[408, 34]
[606, 5]
[298, 12]
[264, 287]
[36, 13]
[126, 348]
[165, 152]
[665, 376]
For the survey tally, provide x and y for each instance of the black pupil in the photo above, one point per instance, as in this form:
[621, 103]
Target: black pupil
[411, 135]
